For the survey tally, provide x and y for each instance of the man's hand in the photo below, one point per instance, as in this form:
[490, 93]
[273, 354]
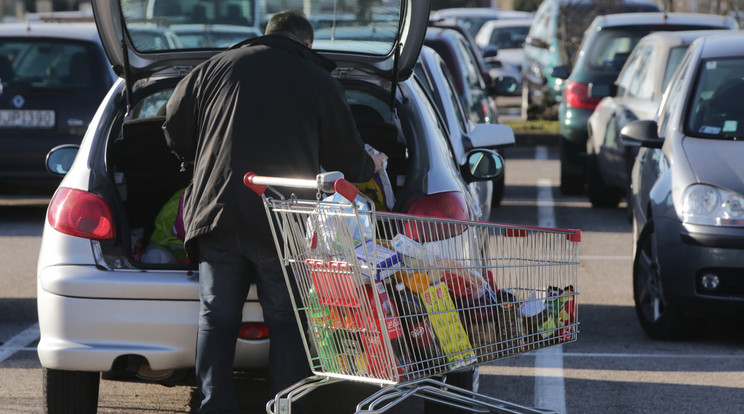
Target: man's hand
[378, 158]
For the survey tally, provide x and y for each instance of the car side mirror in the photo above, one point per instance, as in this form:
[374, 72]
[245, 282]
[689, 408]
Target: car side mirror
[540, 43]
[503, 85]
[561, 72]
[642, 133]
[601, 90]
[490, 51]
[60, 158]
[482, 165]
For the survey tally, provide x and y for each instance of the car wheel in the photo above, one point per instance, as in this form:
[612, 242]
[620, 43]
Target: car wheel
[529, 110]
[659, 318]
[600, 194]
[572, 177]
[70, 391]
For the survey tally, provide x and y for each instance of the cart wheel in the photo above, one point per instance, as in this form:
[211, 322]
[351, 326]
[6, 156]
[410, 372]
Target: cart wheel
[461, 379]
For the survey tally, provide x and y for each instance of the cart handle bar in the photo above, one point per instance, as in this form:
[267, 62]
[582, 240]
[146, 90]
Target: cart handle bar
[327, 182]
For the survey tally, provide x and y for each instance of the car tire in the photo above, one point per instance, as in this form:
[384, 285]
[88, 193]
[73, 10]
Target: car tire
[572, 177]
[600, 194]
[658, 316]
[70, 391]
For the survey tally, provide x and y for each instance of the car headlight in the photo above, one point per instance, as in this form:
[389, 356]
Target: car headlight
[712, 206]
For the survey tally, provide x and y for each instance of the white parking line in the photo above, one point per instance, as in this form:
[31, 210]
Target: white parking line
[19, 342]
[550, 392]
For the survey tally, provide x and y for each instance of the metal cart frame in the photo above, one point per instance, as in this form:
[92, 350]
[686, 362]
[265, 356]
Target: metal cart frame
[393, 299]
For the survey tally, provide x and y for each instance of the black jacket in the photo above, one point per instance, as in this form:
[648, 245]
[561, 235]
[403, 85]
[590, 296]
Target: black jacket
[270, 107]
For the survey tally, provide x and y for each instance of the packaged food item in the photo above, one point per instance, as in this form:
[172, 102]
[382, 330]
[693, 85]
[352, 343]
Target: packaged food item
[493, 328]
[384, 262]
[377, 352]
[415, 281]
[334, 283]
[461, 281]
[425, 350]
[446, 322]
[326, 233]
[415, 254]
[562, 305]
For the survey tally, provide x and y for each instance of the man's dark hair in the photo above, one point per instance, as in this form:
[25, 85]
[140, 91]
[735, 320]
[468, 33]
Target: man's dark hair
[293, 24]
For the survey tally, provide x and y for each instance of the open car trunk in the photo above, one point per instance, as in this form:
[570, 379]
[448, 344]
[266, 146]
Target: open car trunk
[149, 176]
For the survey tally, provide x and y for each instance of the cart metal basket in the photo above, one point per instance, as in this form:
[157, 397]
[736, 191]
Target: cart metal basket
[396, 299]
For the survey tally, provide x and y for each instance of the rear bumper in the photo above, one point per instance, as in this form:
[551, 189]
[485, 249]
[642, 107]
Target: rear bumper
[89, 334]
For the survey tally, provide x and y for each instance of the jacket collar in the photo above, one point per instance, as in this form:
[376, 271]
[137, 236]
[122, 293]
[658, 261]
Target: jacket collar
[291, 46]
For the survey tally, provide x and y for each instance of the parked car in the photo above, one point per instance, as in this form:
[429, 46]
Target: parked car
[552, 44]
[212, 35]
[606, 46]
[52, 78]
[102, 308]
[638, 92]
[688, 193]
[463, 135]
[476, 51]
[502, 41]
[474, 17]
[469, 83]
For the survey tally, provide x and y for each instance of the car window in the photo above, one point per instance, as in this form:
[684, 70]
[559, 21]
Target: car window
[674, 96]
[540, 28]
[611, 48]
[628, 73]
[152, 105]
[718, 109]
[675, 56]
[471, 67]
[509, 37]
[449, 92]
[641, 85]
[50, 63]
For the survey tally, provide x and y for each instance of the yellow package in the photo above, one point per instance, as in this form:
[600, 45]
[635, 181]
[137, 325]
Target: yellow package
[446, 322]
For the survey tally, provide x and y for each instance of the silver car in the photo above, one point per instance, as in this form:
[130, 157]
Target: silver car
[105, 304]
[688, 193]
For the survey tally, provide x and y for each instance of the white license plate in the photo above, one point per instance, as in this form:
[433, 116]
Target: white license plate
[26, 118]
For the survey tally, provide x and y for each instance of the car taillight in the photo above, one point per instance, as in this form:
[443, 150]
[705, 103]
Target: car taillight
[450, 205]
[577, 96]
[253, 331]
[80, 213]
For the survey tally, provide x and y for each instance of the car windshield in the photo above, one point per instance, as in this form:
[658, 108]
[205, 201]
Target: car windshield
[717, 107]
[612, 47]
[42, 63]
[509, 37]
[360, 25]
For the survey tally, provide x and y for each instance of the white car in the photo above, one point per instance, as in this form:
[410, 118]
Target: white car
[102, 307]
[502, 42]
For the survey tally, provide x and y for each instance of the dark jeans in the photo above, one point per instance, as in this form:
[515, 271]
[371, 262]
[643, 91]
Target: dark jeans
[224, 279]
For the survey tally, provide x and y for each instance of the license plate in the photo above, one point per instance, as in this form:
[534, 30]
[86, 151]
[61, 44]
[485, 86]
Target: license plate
[26, 118]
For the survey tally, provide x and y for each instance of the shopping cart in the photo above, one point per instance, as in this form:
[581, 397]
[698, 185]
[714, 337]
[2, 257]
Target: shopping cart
[397, 300]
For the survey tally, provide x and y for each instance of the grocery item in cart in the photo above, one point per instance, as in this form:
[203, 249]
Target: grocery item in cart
[387, 318]
[327, 232]
[426, 352]
[415, 254]
[383, 262]
[446, 322]
[461, 281]
[493, 327]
